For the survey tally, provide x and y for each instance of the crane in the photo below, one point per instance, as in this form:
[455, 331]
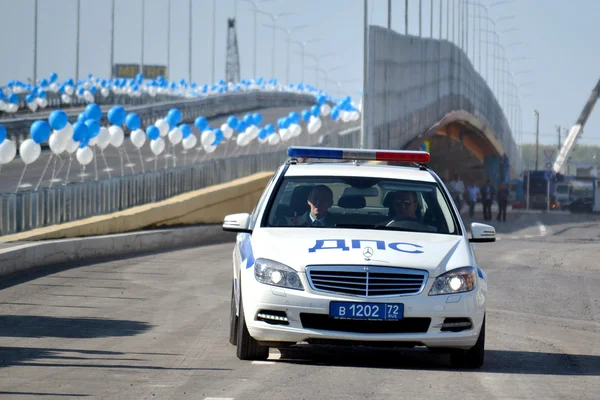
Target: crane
[575, 131]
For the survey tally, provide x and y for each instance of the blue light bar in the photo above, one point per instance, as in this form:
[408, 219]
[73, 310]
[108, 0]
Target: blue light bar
[359, 154]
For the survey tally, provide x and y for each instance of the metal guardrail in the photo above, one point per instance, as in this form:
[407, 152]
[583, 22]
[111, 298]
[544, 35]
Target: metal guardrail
[209, 107]
[33, 209]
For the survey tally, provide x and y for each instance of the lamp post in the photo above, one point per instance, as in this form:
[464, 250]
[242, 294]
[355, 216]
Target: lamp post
[112, 40]
[317, 61]
[537, 136]
[289, 35]
[274, 18]
[255, 9]
[35, 35]
[303, 45]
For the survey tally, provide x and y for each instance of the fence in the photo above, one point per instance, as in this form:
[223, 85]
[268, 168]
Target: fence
[28, 210]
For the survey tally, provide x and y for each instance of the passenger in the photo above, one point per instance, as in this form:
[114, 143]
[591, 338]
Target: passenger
[320, 201]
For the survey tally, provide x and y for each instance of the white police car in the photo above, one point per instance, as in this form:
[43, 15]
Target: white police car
[355, 253]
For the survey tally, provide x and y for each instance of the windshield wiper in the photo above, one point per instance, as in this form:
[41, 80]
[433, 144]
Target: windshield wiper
[380, 227]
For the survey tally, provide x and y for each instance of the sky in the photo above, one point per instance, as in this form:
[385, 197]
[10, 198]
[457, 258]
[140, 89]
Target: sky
[551, 45]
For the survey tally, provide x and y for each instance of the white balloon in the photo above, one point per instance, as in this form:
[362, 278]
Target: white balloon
[13, 108]
[8, 151]
[72, 146]
[104, 92]
[69, 90]
[163, 127]
[175, 136]
[43, 103]
[285, 134]
[157, 146]
[116, 135]
[93, 141]
[207, 138]
[65, 98]
[30, 151]
[103, 138]
[295, 129]
[253, 131]
[2, 106]
[345, 116]
[354, 116]
[227, 131]
[138, 138]
[243, 139]
[57, 143]
[274, 139]
[209, 148]
[85, 155]
[32, 106]
[190, 142]
[54, 87]
[325, 109]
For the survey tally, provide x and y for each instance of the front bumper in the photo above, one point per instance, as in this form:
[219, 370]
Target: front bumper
[307, 314]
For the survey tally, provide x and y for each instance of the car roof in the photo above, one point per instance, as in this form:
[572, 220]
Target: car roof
[361, 170]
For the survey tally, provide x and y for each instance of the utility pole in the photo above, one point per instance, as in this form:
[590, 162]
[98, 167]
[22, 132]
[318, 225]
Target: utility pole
[537, 137]
[405, 21]
[389, 14]
[558, 130]
[35, 41]
[363, 127]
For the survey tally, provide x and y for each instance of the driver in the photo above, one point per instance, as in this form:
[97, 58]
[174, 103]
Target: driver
[405, 205]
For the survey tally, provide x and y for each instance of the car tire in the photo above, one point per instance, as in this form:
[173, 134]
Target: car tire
[247, 347]
[472, 358]
[233, 319]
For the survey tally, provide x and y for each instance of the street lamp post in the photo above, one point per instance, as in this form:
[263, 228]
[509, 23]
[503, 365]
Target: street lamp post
[303, 45]
[289, 36]
[317, 61]
[255, 9]
[537, 136]
[35, 35]
[274, 18]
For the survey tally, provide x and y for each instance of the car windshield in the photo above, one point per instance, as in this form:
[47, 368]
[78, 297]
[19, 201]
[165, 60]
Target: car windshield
[361, 203]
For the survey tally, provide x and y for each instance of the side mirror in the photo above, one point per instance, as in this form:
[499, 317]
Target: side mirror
[237, 223]
[482, 233]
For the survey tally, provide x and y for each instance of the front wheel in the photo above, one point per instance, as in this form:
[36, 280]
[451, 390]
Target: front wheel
[233, 319]
[472, 358]
[247, 347]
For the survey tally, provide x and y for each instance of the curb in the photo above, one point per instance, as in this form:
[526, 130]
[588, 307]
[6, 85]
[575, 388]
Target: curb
[29, 256]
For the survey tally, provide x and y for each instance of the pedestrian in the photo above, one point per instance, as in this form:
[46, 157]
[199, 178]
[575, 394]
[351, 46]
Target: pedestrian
[487, 198]
[503, 195]
[473, 196]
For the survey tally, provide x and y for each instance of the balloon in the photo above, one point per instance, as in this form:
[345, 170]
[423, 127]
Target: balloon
[186, 130]
[58, 119]
[103, 138]
[80, 131]
[241, 127]
[29, 151]
[274, 139]
[258, 119]
[232, 122]
[201, 123]
[175, 136]
[294, 117]
[72, 146]
[325, 109]
[335, 113]
[315, 111]
[57, 143]
[174, 116]
[40, 131]
[116, 135]
[321, 99]
[248, 120]
[209, 148]
[218, 137]
[133, 121]
[138, 138]
[93, 128]
[270, 129]
[157, 146]
[85, 155]
[262, 134]
[2, 134]
[306, 115]
[93, 111]
[227, 131]
[163, 127]
[207, 137]
[8, 151]
[152, 132]
[295, 129]
[189, 142]
[117, 115]
[243, 139]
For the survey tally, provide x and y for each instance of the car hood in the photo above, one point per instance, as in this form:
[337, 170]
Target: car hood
[301, 247]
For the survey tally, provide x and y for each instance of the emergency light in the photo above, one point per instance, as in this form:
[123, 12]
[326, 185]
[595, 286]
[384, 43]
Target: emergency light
[359, 154]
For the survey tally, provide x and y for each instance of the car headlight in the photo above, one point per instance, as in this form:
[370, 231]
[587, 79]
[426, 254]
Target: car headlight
[273, 273]
[456, 281]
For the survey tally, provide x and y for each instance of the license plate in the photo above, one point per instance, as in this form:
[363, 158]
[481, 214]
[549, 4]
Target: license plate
[368, 311]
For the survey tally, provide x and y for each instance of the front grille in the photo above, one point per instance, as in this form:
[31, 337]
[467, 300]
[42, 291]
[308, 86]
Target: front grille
[358, 280]
[324, 322]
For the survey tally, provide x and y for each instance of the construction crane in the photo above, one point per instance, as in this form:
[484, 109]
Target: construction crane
[576, 130]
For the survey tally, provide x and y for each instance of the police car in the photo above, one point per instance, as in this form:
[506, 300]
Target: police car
[344, 251]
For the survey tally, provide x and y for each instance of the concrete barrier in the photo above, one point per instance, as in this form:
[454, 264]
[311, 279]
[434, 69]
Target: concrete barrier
[204, 206]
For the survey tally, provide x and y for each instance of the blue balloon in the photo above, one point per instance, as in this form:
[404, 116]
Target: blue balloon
[335, 113]
[315, 111]
[152, 132]
[258, 119]
[80, 131]
[321, 100]
[43, 94]
[2, 134]
[186, 130]
[58, 119]
[218, 137]
[201, 123]
[93, 128]
[133, 121]
[241, 126]
[93, 111]
[93, 90]
[270, 129]
[285, 123]
[117, 115]
[248, 120]
[30, 98]
[294, 117]
[53, 77]
[84, 142]
[232, 122]
[306, 115]
[82, 117]
[174, 116]
[13, 98]
[262, 134]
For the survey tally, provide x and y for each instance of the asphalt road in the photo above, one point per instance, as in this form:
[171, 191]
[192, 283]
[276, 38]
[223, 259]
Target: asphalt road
[10, 174]
[156, 327]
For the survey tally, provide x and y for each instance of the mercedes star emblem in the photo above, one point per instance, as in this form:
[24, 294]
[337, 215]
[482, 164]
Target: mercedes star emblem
[368, 253]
